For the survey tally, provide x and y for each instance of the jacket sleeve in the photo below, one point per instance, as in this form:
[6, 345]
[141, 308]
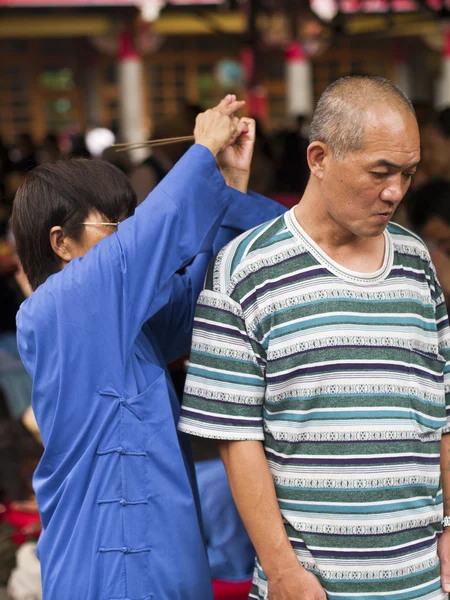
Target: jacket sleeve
[172, 321]
[171, 325]
[245, 212]
[177, 221]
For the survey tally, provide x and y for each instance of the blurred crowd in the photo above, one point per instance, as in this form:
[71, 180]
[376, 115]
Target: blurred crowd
[279, 170]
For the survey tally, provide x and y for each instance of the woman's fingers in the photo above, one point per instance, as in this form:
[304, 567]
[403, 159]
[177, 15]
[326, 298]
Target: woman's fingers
[246, 125]
[229, 105]
[233, 107]
[229, 98]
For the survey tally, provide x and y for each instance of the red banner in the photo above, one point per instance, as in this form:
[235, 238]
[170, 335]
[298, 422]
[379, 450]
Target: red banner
[383, 6]
[328, 9]
[56, 3]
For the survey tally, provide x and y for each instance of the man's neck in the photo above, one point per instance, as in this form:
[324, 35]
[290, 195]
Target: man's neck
[364, 255]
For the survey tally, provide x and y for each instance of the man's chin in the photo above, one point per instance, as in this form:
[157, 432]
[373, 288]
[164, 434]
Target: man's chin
[370, 232]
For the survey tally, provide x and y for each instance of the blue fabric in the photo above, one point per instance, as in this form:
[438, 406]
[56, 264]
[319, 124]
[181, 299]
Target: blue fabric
[230, 552]
[116, 484]
[245, 209]
[175, 305]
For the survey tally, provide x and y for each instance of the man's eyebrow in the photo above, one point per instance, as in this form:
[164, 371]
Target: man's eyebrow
[389, 165]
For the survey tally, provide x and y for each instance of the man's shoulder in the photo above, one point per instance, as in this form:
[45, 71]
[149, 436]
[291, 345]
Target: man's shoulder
[250, 252]
[407, 242]
[395, 229]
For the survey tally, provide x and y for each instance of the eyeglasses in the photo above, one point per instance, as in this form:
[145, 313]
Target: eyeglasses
[105, 224]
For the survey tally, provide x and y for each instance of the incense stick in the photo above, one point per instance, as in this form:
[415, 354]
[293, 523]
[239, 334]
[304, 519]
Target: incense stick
[152, 143]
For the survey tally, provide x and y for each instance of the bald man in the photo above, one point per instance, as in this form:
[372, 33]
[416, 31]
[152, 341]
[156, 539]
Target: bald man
[320, 361]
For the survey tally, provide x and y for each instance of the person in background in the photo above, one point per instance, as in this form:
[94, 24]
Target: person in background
[429, 215]
[435, 147]
[5, 166]
[15, 383]
[22, 158]
[23, 154]
[426, 119]
[112, 304]
[19, 518]
[49, 150]
[77, 146]
[293, 171]
[263, 173]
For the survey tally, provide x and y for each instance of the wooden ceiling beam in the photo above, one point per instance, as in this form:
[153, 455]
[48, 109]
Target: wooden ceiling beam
[232, 23]
[54, 26]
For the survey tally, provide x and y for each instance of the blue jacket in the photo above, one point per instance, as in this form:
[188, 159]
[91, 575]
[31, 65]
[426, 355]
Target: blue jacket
[116, 486]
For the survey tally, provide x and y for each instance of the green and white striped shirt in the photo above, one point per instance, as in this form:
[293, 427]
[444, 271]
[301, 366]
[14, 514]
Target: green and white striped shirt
[341, 376]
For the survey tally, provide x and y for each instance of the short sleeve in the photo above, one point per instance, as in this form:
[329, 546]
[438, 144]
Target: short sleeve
[443, 329]
[225, 385]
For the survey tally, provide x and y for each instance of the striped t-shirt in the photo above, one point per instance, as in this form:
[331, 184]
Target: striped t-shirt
[341, 376]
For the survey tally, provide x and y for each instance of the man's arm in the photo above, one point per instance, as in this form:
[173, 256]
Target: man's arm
[224, 399]
[444, 541]
[444, 350]
[254, 494]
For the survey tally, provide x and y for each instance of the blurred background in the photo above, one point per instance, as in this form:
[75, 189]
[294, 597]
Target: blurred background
[77, 76]
[73, 71]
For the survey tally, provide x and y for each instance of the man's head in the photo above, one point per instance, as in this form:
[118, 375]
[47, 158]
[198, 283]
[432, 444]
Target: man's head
[364, 148]
[53, 206]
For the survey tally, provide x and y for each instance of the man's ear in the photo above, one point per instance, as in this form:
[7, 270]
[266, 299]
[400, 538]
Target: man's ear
[61, 244]
[317, 154]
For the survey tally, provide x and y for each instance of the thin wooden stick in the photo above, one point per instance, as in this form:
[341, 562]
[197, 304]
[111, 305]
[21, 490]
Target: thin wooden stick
[152, 143]
[169, 139]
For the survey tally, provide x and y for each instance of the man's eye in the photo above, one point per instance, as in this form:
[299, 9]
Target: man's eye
[409, 175]
[379, 175]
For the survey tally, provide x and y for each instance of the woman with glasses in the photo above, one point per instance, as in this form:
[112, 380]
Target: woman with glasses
[113, 302]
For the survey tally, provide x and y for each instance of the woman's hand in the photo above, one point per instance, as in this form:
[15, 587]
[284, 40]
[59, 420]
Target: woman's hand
[237, 155]
[235, 160]
[216, 127]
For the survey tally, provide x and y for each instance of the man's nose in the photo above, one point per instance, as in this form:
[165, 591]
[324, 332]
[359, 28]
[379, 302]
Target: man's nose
[394, 192]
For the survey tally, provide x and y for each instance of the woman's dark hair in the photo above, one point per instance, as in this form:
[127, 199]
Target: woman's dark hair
[432, 199]
[64, 193]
